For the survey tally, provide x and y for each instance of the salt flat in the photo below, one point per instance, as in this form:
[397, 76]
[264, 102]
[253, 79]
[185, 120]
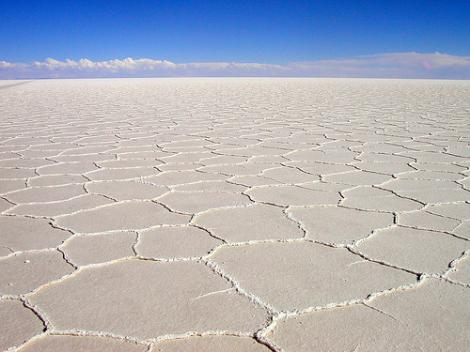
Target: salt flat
[234, 215]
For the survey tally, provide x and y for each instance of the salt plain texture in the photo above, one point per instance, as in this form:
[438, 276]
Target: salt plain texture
[234, 215]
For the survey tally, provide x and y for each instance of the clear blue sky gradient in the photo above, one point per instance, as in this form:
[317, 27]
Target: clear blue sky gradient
[244, 31]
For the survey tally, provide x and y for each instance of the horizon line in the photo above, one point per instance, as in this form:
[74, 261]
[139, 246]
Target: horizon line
[399, 65]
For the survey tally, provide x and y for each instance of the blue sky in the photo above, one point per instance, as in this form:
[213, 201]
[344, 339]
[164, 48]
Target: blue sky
[281, 33]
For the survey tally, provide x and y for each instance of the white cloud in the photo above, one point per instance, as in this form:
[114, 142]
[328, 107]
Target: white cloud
[395, 65]
[138, 65]
[390, 65]
[6, 65]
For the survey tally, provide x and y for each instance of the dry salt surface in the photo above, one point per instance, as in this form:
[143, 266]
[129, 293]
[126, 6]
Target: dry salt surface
[258, 215]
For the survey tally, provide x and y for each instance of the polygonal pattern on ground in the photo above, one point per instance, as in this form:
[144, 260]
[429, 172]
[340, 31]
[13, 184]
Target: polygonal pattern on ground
[241, 214]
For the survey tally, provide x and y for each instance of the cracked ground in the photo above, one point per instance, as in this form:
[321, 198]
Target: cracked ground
[234, 215]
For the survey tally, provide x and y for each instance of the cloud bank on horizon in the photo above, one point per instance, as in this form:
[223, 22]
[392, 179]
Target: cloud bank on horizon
[388, 65]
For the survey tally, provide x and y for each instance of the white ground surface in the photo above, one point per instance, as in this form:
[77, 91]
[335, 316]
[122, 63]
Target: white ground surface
[234, 215]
